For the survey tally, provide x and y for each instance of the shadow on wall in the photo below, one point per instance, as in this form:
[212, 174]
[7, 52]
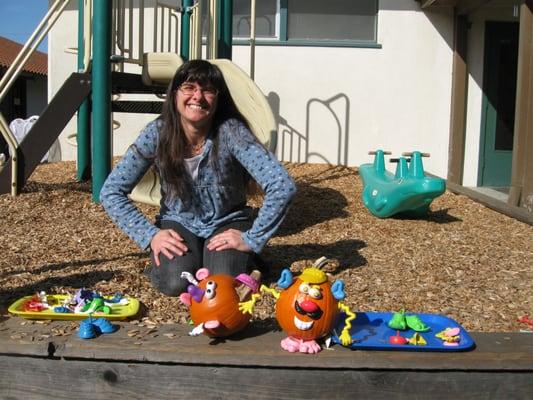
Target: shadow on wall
[325, 139]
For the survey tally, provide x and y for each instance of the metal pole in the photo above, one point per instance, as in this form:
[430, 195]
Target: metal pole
[252, 39]
[83, 137]
[101, 76]
[185, 29]
[226, 24]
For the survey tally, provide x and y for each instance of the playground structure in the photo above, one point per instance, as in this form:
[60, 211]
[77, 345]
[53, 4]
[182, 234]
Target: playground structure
[408, 190]
[92, 90]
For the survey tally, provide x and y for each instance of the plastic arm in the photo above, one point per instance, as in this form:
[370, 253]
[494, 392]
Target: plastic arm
[345, 337]
[248, 306]
[273, 292]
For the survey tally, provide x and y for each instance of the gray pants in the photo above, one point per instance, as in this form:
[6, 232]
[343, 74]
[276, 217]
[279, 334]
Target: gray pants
[166, 278]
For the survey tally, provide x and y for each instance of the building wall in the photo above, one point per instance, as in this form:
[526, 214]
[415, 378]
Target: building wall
[36, 100]
[334, 104]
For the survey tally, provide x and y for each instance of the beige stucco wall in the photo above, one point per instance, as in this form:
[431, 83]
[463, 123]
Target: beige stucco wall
[396, 97]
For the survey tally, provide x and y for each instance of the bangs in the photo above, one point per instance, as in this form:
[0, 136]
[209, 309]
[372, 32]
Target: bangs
[202, 72]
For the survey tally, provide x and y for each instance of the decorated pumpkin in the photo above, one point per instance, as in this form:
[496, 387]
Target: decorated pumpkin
[307, 309]
[213, 302]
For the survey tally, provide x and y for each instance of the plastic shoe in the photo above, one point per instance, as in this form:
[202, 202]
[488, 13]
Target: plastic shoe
[103, 325]
[398, 321]
[414, 322]
[87, 330]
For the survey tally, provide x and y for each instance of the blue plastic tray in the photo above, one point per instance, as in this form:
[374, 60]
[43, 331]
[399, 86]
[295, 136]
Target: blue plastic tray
[371, 332]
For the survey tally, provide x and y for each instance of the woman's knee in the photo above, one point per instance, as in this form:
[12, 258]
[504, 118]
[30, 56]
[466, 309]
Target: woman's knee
[230, 262]
[170, 286]
[166, 277]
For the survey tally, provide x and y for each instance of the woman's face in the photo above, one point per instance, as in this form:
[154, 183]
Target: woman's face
[196, 104]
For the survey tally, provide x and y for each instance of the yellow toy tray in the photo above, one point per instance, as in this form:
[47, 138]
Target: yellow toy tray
[117, 311]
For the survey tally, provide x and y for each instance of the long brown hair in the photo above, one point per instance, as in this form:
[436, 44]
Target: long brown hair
[170, 152]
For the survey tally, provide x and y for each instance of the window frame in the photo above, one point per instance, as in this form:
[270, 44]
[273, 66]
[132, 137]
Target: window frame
[283, 40]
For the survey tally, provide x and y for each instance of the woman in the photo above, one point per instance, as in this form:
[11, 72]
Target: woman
[205, 155]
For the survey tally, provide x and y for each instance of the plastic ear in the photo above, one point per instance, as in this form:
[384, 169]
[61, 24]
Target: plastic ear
[285, 279]
[202, 273]
[185, 298]
[337, 289]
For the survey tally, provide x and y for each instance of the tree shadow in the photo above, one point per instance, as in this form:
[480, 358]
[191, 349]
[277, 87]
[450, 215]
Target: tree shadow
[278, 257]
[313, 205]
[35, 187]
[78, 263]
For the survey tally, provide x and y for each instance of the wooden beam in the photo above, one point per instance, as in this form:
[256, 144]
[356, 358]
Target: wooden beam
[465, 7]
[167, 363]
[456, 146]
[515, 212]
[521, 191]
[27, 378]
[426, 3]
[438, 3]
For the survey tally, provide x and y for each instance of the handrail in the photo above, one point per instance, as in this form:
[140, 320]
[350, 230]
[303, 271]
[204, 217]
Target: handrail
[13, 73]
[87, 34]
[252, 39]
[196, 31]
[165, 33]
[87, 37]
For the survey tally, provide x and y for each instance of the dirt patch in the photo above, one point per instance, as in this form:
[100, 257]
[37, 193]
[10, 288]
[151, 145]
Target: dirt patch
[463, 260]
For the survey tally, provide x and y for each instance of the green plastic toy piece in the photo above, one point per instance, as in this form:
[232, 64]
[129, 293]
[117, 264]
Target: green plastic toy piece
[398, 322]
[96, 305]
[414, 322]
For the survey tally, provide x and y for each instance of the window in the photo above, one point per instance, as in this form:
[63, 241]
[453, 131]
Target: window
[311, 21]
[265, 19]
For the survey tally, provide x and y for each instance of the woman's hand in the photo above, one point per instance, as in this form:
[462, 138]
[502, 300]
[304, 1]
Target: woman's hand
[168, 242]
[230, 239]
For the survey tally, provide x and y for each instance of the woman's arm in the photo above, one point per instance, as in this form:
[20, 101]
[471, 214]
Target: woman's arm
[267, 171]
[121, 181]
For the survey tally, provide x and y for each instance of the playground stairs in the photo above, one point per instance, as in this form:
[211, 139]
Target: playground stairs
[46, 129]
[63, 107]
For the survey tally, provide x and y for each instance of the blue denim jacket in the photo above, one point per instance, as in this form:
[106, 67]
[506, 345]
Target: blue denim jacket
[218, 194]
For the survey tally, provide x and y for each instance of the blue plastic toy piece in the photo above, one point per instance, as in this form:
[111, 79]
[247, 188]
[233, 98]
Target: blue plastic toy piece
[87, 329]
[103, 325]
[409, 190]
[62, 309]
[93, 327]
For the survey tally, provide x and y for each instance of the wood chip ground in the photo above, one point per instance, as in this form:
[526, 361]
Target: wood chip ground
[463, 260]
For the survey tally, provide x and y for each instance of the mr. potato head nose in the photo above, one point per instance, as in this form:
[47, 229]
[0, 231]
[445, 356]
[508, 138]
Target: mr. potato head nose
[309, 306]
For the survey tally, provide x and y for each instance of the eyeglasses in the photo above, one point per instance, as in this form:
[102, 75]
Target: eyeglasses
[189, 89]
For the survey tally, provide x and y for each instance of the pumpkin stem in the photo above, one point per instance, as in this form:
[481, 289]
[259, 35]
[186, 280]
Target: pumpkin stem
[319, 263]
[244, 291]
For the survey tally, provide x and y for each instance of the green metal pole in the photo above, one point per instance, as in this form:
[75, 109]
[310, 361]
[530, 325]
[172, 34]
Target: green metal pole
[186, 30]
[101, 76]
[83, 137]
[226, 29]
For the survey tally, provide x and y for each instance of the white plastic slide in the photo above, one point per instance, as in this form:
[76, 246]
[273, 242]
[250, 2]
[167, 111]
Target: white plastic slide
[249, 99]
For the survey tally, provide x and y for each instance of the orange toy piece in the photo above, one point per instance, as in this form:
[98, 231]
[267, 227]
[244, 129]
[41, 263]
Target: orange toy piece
[214, 302]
